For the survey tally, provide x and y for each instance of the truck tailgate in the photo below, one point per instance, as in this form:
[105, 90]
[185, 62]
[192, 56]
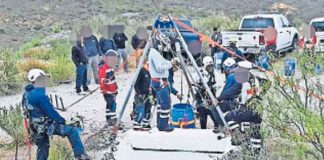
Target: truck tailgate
[242, 38]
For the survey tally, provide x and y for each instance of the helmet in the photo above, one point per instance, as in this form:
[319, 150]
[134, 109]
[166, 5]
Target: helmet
[33, 74]
[229, 62]
[208, 64]
[208, 60]
[245, 64]
[165, 19]
[232, 43]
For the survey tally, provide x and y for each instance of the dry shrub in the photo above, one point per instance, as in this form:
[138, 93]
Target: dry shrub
[28, 64]
[37, 53]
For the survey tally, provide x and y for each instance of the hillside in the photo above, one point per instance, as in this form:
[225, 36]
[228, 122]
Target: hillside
[22, 20]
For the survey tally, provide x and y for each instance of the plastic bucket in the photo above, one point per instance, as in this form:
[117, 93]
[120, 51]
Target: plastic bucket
[218, 60]
[290, 67]
[182, 116]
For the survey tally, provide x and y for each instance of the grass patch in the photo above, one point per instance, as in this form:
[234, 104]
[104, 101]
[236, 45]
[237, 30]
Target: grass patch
[12, 123]
[55, 60]
[10, 78]
[37, 41]
[60, 149]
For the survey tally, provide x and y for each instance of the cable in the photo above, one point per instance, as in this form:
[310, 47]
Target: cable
[210, 41]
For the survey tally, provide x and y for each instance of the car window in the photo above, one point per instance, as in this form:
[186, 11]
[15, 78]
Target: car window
[285, 21]
[250, 23]
[281, 24]
[319, 26]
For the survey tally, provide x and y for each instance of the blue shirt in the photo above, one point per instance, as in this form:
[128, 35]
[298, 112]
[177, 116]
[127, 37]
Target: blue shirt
[37, 98]
[231, 90]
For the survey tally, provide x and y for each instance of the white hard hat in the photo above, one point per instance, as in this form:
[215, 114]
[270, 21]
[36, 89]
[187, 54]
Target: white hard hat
[229, 62]
[208, 60]
[245, 64]
[33, 74]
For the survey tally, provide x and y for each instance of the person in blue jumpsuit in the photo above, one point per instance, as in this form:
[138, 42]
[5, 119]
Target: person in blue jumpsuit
[226, 55]
[248, 114]
[159, 71]
[227, 98]
[45, 121]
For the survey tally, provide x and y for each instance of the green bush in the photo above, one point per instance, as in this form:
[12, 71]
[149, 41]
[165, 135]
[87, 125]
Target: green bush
[55, 60]
[293, 115]
[60, 149]
[10, 79]
[37, 41]
[12, 123]
[62, 67]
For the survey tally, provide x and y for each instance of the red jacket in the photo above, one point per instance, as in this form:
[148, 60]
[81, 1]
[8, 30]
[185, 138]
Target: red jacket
[107, 80]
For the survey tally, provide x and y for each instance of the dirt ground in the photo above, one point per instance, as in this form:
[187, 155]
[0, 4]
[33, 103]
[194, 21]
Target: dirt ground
[22, 20]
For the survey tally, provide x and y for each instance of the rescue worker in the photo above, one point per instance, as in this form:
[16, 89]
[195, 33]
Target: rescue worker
[232, 90]
[159, 70]
[108, 85]
[80, 60]
[246, 117]
[234, 49]
[228, 66]
[44, 120]
[203, 102]
[217, 37]
[143, 98]
[163, 22]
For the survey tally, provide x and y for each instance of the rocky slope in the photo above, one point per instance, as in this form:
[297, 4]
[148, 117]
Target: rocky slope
[22, 20]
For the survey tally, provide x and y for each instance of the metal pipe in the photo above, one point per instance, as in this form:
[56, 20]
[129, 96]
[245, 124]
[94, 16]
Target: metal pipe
[62, 104]
[130, 89]
[56, 101]
[210, 94]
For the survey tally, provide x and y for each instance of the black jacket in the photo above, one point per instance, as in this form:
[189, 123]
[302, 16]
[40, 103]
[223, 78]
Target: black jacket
[143, 82]
[138, 43]
[78, 55]
[120, 39]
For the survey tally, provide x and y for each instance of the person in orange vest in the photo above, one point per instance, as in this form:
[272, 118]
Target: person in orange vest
[138, 46]
[108, 84]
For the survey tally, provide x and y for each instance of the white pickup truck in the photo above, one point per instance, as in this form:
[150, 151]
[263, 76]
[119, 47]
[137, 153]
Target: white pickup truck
[250, 39]
[318, 24]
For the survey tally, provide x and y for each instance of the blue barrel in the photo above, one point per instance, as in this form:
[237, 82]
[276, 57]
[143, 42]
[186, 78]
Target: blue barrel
[182, 116]
[290, 67]
[264, 62]
[218, 60]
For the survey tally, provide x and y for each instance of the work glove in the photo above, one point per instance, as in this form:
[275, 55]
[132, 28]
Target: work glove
[180, 96]
[150, 99]
[175, 61]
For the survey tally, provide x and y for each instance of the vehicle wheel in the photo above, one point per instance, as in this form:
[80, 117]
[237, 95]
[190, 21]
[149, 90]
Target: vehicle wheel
[294, 45]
